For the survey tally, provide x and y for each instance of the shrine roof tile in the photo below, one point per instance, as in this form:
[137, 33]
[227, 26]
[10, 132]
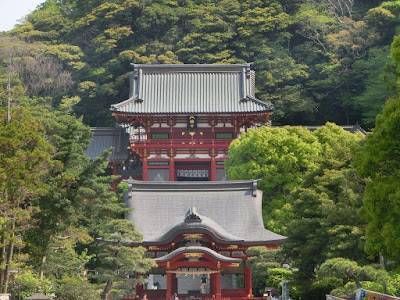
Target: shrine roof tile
[234, 205]
[109, 137]
[192, 89]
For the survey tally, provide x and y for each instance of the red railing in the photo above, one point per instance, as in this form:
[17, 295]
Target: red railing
[160, 295]
[181, 143]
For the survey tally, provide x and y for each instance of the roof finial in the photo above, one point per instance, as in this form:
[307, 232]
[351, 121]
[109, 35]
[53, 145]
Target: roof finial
[192, 215]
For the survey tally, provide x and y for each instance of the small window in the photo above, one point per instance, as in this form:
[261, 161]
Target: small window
[160, 135]
[224, 135]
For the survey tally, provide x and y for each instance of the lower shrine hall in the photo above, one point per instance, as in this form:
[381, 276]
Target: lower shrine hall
[198, 234]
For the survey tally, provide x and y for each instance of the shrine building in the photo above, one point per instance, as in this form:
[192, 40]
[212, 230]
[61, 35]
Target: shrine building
[195, 223]
[172, 142]
[182, 118]
[198, 234]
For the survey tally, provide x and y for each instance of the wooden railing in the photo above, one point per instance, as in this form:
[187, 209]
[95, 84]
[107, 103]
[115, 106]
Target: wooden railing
[182, 143]
[156, 295]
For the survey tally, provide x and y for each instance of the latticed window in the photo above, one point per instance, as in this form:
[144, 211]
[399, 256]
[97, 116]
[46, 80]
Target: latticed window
[224, 135]
[160, 135]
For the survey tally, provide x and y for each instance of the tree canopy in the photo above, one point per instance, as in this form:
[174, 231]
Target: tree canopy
[307, 53]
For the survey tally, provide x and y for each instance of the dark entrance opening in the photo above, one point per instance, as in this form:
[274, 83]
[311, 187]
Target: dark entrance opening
[187, 171]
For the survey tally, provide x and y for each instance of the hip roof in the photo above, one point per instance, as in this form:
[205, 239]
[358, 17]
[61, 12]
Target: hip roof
[192, 89]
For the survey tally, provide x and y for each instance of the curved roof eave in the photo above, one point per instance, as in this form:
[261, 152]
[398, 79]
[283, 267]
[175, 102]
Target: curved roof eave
[193, 249]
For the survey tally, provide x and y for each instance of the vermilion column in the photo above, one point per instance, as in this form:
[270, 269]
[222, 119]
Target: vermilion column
[171, 170]
[213, 169]
[145, 177]
[169, 287]
[218, 295]
[247, 280]
[212, 284]
[174, 286]
[114, 168]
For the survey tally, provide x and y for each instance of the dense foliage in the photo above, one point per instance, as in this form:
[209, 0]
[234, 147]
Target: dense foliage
[279, 157]
[378, 162]
[316, 61]
[313, 195]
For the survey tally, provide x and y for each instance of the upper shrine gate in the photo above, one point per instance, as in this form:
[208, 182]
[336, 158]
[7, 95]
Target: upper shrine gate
[182, 118]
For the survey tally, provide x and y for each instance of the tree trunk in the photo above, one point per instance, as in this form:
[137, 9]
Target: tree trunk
[106, 290]
[9, 260]
[382, 261]
[9, 98]
[358, 284]
[2, 254]
[44, 258]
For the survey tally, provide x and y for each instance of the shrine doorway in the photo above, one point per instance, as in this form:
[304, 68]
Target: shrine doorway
[186, 171]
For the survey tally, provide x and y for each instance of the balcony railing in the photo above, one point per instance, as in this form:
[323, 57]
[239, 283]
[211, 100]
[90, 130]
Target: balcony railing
[181, 143]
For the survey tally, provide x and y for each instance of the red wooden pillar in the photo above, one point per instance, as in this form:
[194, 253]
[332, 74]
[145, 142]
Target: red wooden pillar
[114, 168]
[218, 295]
[168, 293]
[174, 287]
[247, 280]
[171, 170]
[213, 169]
[212, 284]
[145, 175]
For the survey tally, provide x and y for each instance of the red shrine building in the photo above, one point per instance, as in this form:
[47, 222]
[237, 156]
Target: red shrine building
[182, 118]
[196, 224]
[172, 141]
[198, 234]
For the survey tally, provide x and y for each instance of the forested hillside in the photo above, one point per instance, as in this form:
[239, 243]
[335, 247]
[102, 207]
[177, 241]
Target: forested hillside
[316, 60]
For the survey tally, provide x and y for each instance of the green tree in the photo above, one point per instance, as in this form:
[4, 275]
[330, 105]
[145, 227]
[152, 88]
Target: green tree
[349, 271]
[26, 282]
[73, 288]
[377, 162]
[325, 207]
[119, 260]
[280, 157]
[24, 164]
[304, 51]
[375, 91]
[261, 261]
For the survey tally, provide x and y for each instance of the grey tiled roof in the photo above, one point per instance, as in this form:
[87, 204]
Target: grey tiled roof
[106, 137]
[350, 128]
[200, 249]
[231, 209]
[192, 89]
[202, 224]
